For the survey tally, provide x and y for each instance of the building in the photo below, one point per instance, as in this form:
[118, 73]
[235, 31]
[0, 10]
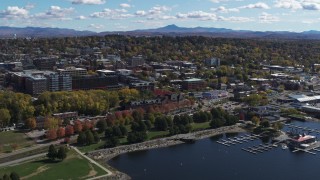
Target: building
[136, 61]
[59, 82]
[94, 82]
[66, 116]
[124, 72]
[212, 62]
[36, 84]
[73, 71]
[45, 63]
[193, 84]
[142, 85]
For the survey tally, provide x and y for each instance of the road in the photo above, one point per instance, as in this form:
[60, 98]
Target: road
[10, 163]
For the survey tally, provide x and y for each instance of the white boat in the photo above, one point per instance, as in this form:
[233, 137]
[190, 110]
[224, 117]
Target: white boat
[283, 146]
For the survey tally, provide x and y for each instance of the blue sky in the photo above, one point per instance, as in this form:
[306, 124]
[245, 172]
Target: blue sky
[114, 15]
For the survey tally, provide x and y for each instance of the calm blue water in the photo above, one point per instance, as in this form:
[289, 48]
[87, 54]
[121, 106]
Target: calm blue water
[206, 159]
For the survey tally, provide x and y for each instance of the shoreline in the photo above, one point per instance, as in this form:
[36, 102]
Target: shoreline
[104, 155]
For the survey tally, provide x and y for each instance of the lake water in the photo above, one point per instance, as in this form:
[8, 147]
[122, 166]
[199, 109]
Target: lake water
[206, 159]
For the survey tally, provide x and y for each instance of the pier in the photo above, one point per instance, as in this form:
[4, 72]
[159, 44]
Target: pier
[311, 150]
[260, 148]
[238, 140]
[317, 131]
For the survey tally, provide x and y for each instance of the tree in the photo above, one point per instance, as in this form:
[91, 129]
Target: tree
[61, 132]
[96, 136]
[31, 123]
[69, 130]
[124, 130]
[81, 138]
[51, 134]
[77, 126]
[52, 152]
[89, 137]
[161, 124]
[101, 125]
[255, 120]
[51, 123]
[62, 153]
[87, 125]
[112, 142]
[116, 131]
[4, 117]
[265, 123]
[14, 176]
[5, 177]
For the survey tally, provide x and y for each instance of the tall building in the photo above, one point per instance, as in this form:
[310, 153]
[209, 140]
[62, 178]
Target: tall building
[136, 61]
[212, 62]
[94, 82]
[193, 84]
[59, 82]
[36, 84]
[73, 71]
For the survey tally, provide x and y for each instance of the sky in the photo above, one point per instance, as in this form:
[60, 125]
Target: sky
[125, 15]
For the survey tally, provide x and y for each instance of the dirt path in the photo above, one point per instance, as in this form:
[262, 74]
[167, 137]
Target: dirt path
[38, 171]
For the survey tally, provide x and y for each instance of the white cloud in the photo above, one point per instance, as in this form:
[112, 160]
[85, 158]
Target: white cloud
[89, 2]
[222, 9]
[259, 5]
[14, 12]
[159, 9]
[96, 26]
[140, 13]
[81, 18]
[218, 1]
[288, 4]
[205, 16]
[235, 19]
[268, 18]
[298, 4]
[112, 14]
[124, 5]
[55, 12]
[311, 5]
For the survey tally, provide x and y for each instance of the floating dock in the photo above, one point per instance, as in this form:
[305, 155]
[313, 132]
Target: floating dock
[238, 140]
[317, 131]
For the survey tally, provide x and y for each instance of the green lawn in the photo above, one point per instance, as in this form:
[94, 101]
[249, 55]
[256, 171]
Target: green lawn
[198, 126]
[91, 147]
[12, 138]
[73, 167]
[156, 134]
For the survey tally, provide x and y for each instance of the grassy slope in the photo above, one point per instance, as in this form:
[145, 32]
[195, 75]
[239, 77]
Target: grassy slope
[13, 137]
[73, 167]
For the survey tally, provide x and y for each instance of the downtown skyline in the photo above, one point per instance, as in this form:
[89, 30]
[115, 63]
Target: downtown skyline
[125, 15]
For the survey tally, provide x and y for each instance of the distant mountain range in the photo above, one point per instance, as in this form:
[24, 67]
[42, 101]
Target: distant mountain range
[170, 30]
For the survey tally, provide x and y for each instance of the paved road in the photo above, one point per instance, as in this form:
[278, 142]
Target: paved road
[10, 163]
[94, 162]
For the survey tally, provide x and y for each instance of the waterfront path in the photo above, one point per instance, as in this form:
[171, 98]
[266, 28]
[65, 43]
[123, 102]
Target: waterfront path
[109, 153]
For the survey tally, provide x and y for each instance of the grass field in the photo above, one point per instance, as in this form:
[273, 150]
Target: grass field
[199, 126]
[9, 139]
[73, 167]
[91, 147]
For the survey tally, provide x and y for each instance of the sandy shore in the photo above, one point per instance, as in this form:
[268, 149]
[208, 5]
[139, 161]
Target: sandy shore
[109, 153]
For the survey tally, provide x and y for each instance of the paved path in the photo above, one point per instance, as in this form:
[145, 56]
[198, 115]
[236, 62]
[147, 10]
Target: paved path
[93, 162]
[10, 163]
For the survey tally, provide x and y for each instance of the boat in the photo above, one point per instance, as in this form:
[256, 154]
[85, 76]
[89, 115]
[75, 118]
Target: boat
[284, 146]
[302, 141]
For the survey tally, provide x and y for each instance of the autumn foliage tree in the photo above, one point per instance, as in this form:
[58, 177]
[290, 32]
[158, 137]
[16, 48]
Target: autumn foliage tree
[69, 130]
[51, 134]
[77, 126]
[31, 123]
[61, 132]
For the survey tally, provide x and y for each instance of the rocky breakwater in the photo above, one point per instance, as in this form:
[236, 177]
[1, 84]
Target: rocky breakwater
[109, 153]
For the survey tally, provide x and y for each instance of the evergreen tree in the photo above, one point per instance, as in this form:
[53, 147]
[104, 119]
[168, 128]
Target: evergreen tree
[14, 176]
[81, 138]
[89, 137]
[52, 152]
[62, 153]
